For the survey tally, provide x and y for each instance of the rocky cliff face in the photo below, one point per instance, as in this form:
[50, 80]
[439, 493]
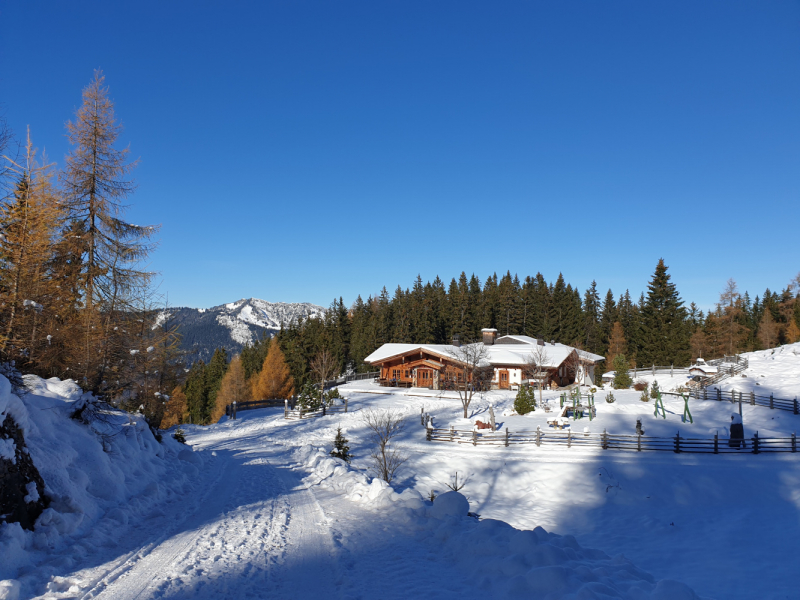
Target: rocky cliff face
[22, 497]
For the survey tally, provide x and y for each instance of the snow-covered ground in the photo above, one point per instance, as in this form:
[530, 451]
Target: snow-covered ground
[259, 509]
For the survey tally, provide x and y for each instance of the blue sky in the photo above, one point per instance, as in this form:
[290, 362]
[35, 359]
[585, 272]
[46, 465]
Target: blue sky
[299, 151]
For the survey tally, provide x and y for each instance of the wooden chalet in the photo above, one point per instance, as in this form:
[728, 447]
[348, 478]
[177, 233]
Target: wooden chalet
[436, 366]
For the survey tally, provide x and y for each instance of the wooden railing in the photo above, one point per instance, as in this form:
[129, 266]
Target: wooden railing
[607, 441]
[750, 398]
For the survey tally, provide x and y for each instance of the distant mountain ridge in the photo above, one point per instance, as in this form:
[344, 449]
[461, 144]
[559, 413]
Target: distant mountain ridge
[233, 325]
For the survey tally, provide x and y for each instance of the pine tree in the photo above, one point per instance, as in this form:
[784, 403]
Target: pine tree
[214, 372]
[592, 340]
[96, 188]
[275, 380]
[665, 338]
[341, 449]
[28, 291]
[622, 380]
[196, 391]
[176, 410]
[525, 400]
[233, 388]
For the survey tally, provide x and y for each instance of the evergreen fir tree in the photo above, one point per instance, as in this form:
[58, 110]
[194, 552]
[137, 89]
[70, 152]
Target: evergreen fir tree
[665, 338]
[622, 380]
[341, 448]
[525, 400]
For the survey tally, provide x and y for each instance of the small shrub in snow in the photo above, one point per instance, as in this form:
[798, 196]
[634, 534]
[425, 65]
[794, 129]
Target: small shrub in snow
[308, 399]
[610, 398]
[179, 435]
[455, 484]
[525, 401]
[331, 395]
[341, 448]
[384, 425]
[654, 390]
[640, 385]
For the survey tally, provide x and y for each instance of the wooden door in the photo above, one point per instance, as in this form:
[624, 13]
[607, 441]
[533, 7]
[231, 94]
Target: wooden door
[504, 379]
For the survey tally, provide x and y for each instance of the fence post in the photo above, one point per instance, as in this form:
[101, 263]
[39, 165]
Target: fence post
[323, 410]
[474, 438]
[794, 442]
[719, 395]
[569, 438]
[752, 398]
[654, 370]
[422, 416]
[452, 433]
[538, 436]
[716, 443]
[733, 396]
[639, 443]
[506, 437]
[795, 406]
[286, 408]
[605, 440]
[705, 394]
[678, 443]
[429, 434]
[771, 403]
[755, 443]
[345, 405]
[301, 411]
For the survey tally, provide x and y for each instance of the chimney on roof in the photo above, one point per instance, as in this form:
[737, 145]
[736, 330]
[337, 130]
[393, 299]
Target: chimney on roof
[552, 342]
[540, 341]
[489, 336]
[456, 341]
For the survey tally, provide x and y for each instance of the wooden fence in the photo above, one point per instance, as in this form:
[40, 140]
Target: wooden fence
[750, 398]
[607, 441]
[289, 408]
[299, 413]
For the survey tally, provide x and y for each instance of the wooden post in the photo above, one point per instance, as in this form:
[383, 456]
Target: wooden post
[538, 436]
[705, 393]
[716, 443]
[301, 411]
[429, 434]
[752, 398]
[719, 395]
[323, 410]
[678, 443]
[771, 403]
[569, 438]
[506, 437]
[286, 408]
[639, 442]
[422, 416]
[795, 406]
[654, 370]
[755, 443]
[452, 433]
[733, 396]
[345, 405]
[474, 438]
[794, 442]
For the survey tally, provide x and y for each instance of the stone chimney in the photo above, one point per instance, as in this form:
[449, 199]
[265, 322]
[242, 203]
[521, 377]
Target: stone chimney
[540, 341]
[456, 341]
[489, 336]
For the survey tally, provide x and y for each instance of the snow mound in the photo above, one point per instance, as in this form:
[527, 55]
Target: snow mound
[508, 562]
[97, 475]
[450, 504]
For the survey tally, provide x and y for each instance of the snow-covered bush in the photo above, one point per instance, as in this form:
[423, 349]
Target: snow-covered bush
[610, 398]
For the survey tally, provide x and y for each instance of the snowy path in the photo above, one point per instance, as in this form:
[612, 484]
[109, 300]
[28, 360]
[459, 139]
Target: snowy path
[256, 531]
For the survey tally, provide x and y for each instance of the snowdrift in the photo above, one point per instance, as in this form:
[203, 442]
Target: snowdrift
[506, 562]
[98, 476]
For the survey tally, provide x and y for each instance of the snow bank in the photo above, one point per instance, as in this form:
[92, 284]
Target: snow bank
[507, 562]
[97, 476]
